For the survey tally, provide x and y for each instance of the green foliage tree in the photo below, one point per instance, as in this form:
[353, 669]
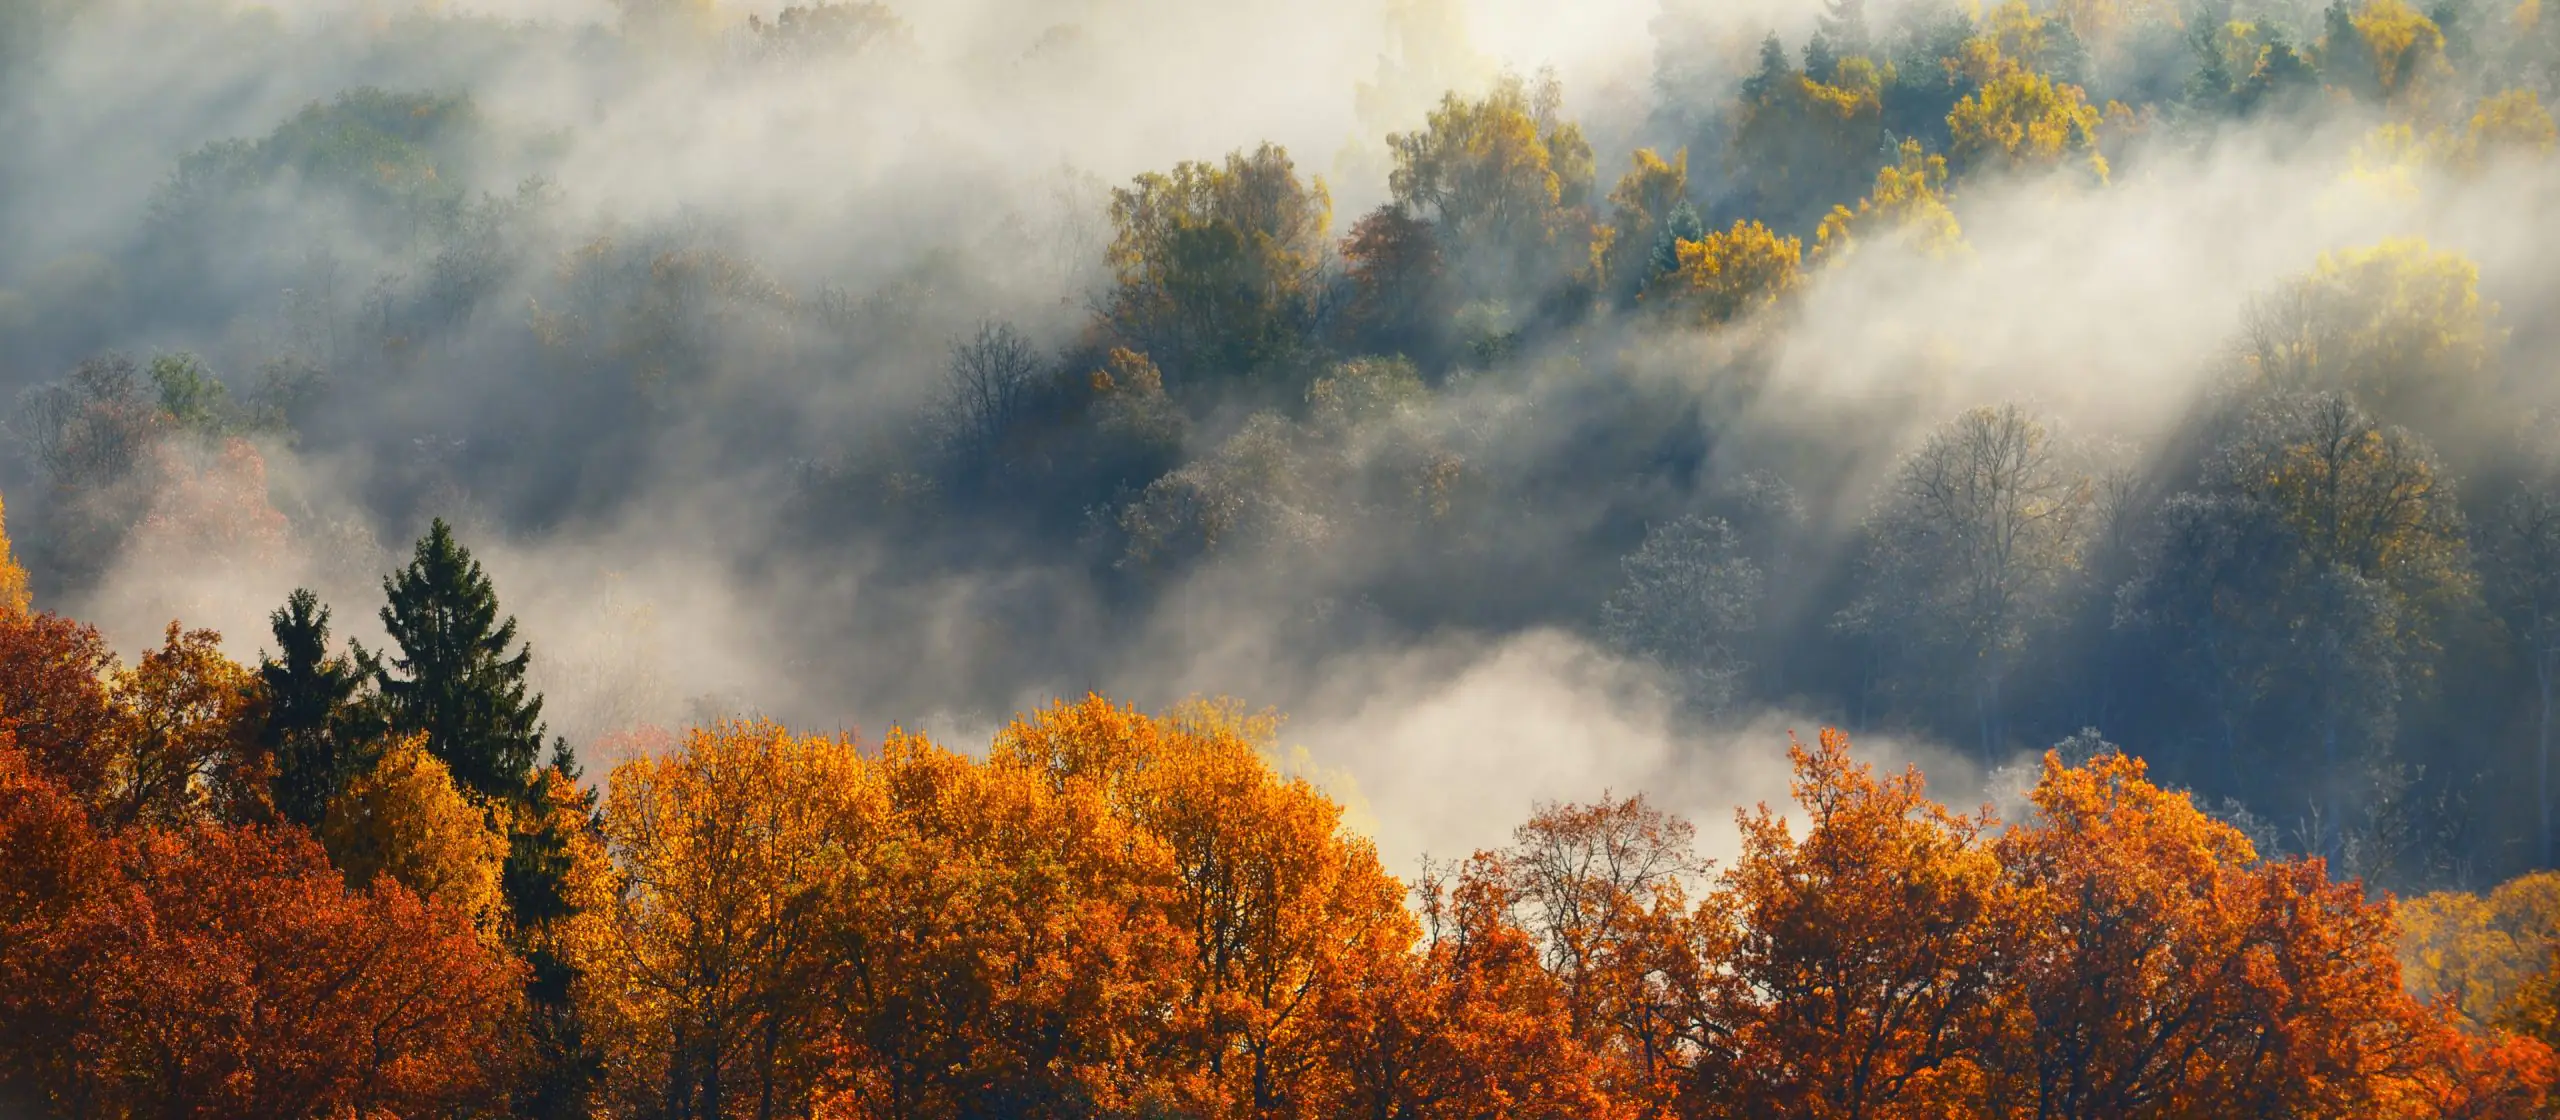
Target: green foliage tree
[314, 726]
[1641, 211]
[1504, 178]
[2315, 569]
[190, 393]
[1217, 265]
[1804, 144]
[454, 680]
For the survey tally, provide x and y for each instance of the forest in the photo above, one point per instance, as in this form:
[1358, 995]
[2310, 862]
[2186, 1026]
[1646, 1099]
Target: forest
[897, 427]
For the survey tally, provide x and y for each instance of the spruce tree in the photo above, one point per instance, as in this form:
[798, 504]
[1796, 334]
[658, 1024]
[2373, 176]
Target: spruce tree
[1683, 224]
[1772, 74]
[454, 679]
[316, 726]
[1821, 62]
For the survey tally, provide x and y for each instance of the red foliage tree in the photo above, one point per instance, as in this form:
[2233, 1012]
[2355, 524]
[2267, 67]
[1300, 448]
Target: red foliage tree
[229, 972]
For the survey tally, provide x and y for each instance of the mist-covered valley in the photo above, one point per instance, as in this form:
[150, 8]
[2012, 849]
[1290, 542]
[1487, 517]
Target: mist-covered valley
[1536, 406]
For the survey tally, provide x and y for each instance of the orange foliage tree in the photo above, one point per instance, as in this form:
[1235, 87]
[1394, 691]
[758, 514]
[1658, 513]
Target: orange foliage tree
[229, 972]
[1118, 913]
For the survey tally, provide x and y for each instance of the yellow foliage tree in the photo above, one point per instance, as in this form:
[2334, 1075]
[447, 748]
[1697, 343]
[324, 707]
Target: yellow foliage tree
[1639, 205]
[1804, 144]
[1217, 263]
[2513, 122]
[187, 718]
[14, 597]
[1908, 202]
[1505, 178]
[1273, 896]
[2488, 957]
[2021, 120]
[2401, 46]
[701, 973]
[406, 819]
[2400, 325]
[1729, 273]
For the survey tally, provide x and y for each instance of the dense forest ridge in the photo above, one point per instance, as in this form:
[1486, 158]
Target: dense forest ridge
[339, 885]
[1520, 393]
[1506, 399]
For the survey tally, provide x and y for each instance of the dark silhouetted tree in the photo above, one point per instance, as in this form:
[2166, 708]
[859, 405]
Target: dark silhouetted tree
[312, 728]
[453, 679]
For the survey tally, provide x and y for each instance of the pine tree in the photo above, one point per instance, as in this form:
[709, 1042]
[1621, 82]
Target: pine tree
[454, 679]
[1771, 75]
[316, 725]
[1821, 61]
[457, 683]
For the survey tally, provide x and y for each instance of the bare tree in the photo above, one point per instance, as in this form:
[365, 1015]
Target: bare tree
[1971, 543]
[991, 383]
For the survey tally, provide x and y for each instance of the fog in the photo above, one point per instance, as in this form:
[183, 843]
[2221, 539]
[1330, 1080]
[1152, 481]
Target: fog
[856, 213]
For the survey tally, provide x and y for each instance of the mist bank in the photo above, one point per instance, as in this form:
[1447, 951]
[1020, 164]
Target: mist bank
[1524, 420]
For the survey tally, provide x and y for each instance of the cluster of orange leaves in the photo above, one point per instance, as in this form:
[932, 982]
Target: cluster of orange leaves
[166, 948]
[1121, 914]
[1115, 914]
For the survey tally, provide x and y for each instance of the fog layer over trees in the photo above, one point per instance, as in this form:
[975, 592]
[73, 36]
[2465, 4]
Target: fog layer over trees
[1963, 379]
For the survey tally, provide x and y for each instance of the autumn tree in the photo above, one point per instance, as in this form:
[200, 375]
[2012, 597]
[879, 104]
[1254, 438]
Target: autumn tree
[53, 698]
[1806, 142]
[1216, 264]
[2399, 326]
[1398, 274]
[1864, 957]
[704, 974]
[1472, 1025]
[14, 596]
[1639, 236]
[1603, 891]
[2380, 50]
[228, 971]
[1730, 273]
[1502, 179]
[405, 820]
[2136, 990]
[1013, 948]
[2488, 957]
[1907, 204]
[186, 737]
[1275, 901]
[2506, 125]
[2022, 120]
